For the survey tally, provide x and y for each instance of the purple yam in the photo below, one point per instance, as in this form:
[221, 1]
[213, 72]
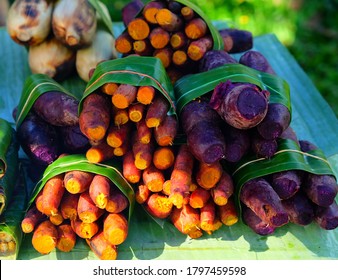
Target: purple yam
[262, 147]
[289, 133]
[243, 106]
[286, 183]
[215, 58]
[237, 143]
[57, 108]
[196, 111]
[277, 119]
[307, 146]
[321, 189]
[299, 208]
[236, 40]
[260, 197]
[74, 141]
[255, 223]
[257, 61]
[130, 10]
[327, 217]
[206, 142]
[38, 139]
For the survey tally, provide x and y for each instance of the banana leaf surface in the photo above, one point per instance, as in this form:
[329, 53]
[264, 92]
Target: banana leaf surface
[312, 119]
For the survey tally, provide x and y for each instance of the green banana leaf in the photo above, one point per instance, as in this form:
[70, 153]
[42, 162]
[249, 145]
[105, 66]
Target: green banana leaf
[196, 85]
[9, 160]
[110, 169]
[36, 85]
[10, 221]
[312, 119]
[137, 71]
[103, 14]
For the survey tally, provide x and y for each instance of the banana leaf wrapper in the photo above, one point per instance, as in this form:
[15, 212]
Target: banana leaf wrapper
[35, 85]
[11, 235]
[132, 70]
[9, 162]
[288, 157]
[194, 86]
[110, 169]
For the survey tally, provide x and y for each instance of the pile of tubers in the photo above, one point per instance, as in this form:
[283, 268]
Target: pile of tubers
[190, 183]
[62, 36]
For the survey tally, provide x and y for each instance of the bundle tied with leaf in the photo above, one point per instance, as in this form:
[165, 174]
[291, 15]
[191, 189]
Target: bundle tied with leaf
[78, 199]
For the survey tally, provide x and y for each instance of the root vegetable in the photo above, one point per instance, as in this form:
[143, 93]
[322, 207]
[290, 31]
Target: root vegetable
[178, 40]
[223, 190]
[117, 135]
[84, 230]
[136, 111]
[153, 178]
[150, 10]
[73, 140]
[165, 55]
[186, 219]
[66, 238]
[215, 58]
[52, 193]
[159, 205]
[327, 217]
[145, 94]
[124, 43]
[208, 216]
[143, 154]
[142, 193]
[262, 147]
[45, 237]
[236, 40]
[237, 142]
[115, 228]
[138, 29]
[199, 197]
[99, 190]
[68, 206]
[166, 132]
[94, 119]
[208, 175]
[99, 152]
[143, 47]
[101, 247]
[117, 202]
[286, 183]
[198, 48]
[299, 209]
[168, 20]
[163, 158]
[256, 60]
[228, 213]
[130, 10]
[77, 181]
[181, 176]
[32, 218]
[56, 219]
[241, 105]
[87, 211]
[256, 224]
[124, 96]
[129, 169]
[260, 197]
[159, 38]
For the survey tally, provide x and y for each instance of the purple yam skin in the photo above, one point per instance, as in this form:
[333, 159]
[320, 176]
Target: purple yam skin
[260, 197]
[289, 133]
[236, 40]
[215, 58]
[262, 147]
[300, 209]
[277, 119]
[257, 61]
[74, 141]
[38, 139]
[286, 183]
[196, 111]
[242, 106]
[255, 223]
[321, 189]
[130, 10]
[206, 142]
[57, 108]
[327, 217]
[237, 143]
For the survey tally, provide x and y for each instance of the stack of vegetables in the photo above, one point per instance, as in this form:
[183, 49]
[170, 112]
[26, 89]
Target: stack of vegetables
[192, 134]
[62, 36]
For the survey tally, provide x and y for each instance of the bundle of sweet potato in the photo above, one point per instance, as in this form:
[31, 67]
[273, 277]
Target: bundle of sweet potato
[78, 204]
[195, 196]
[123, 117]
[169, 30]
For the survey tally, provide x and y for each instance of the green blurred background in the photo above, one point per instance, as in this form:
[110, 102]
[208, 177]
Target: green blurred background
[308, 28]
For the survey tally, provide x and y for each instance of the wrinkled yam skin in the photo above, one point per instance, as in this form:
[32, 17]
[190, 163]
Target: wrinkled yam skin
[255, 223]
[73, 139]
[215, 58]
[206, 142]
[260, 197]
[38, 139]
[299, 208]
[286, 183]
[238, 143]
[57, 108]
[327, 217]
[256, 60]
